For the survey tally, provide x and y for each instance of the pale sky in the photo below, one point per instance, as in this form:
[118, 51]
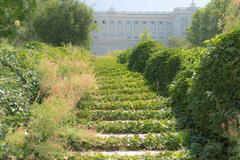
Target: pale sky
[142, 5]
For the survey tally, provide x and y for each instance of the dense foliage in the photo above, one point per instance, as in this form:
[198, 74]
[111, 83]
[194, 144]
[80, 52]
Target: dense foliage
[12, 14]
[162, 68]
[124, 56]
[63, 22]
[214, 98]
[179, 88]
[208, 22]
[141, 53]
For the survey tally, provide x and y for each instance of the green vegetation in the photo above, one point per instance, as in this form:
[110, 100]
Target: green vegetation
[13, 14]
[202, 86]
[217, 17]
[232, 17]
[124, 56]
[117, 109]
[171, 155]
[141, 53]
[166, 141]
[176, 42]
[64, 22]
[162, 68]
[179, 87]
[33, 104]
[214, 95]
[54, 100]
[208, 22]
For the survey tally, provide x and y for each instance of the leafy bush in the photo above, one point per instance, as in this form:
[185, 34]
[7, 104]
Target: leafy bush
[124, 56]
[179, 87]
[63, 22]
[162, 68]
[19, 83]
[141, 53]
[214, 94]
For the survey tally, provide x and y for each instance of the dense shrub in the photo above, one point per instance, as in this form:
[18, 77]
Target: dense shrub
[124, 56]
[214, 95]
[179, 87]
[162, 68]
[141, 53]
[63, 22]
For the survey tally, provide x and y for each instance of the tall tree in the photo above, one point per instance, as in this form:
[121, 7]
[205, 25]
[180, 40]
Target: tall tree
[12, 14]
[208, 22]
[65, 21]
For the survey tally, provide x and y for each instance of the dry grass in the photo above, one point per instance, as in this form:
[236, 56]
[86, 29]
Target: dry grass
[65, 79]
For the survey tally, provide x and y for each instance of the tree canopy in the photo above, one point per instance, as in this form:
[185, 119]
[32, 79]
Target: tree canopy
[65, 21]
[208, 22]
[13, 13]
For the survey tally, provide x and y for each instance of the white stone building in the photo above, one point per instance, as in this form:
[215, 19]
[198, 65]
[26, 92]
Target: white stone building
[121, 30]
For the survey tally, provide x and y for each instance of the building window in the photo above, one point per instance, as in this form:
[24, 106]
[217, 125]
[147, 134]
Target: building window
[103, 22]
[112, 22]
[95, 22]
[144, 22]
[136, 22]
[152, 22]
[128, 22]
[160, 22]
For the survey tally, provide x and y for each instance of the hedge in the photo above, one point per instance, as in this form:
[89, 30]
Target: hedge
[215, 98]
[141, 53]
[162, 68]
[179, 87]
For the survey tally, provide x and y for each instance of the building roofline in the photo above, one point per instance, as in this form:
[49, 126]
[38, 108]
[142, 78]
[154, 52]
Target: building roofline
[178, 9]
[130, 12]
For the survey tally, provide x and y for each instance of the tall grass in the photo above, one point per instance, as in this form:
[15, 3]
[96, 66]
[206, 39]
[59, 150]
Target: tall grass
[66, 76]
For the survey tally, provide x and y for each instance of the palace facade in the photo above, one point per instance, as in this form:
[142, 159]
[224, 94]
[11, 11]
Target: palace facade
[122, 30]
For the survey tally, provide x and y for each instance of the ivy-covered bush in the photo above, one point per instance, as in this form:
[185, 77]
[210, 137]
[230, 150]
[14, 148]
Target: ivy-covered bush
[141, 53]
[178, 89]
[215, 97]
[124, 56]
[162, 68]
[18, 83]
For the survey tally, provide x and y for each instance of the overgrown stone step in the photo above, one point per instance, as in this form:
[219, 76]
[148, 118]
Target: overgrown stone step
[167, 141]
[128, 75]
[123, 85]
[136, 127]
[142, 136]
[113, 73]
[126, 97]
[124, 91]
[126, 105]
[110, 115]
[131, 155]
[116, 81]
